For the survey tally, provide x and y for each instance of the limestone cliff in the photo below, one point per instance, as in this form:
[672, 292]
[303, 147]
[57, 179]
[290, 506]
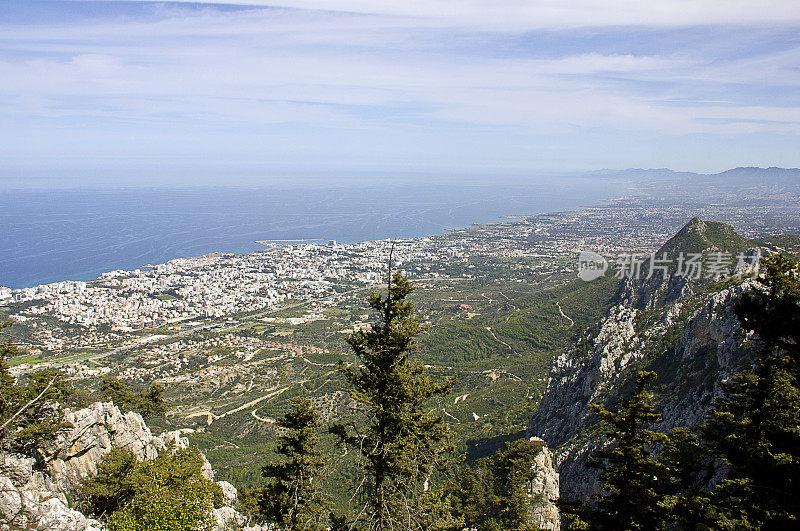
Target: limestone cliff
[35, 492]
[544, 491]
[684, 331]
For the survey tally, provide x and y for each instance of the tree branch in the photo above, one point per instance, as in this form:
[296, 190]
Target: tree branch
[29, 404]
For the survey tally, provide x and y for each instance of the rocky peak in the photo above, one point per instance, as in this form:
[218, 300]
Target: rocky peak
[698, 236]
[667, 284]
[681, 327]
[695, 225]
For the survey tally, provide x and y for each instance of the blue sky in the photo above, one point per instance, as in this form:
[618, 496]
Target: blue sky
[128, 92]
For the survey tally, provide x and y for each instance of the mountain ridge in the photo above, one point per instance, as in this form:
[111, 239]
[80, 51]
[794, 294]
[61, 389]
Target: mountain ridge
[736, 171]
[684, 330]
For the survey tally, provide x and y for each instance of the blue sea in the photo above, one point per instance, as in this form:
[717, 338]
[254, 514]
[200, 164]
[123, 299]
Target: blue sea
[53, 235]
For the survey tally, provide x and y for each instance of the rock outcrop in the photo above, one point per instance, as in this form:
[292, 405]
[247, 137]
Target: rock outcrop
[30, 500]
[708, 347]
[685, 331]
[35, 496]
[544, 491]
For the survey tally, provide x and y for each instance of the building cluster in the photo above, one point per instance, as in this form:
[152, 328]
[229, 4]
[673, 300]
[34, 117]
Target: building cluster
[215, 285]
[210, 286]
[78, 314]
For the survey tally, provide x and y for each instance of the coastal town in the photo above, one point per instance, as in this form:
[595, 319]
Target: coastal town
[120, 308]
[231, 338]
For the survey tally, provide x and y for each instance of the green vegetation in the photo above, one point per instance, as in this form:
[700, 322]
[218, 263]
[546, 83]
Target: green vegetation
[493, 494]
[699, 236]
[168, 493]
[753, 432]
[293, 498]
[630, 474]
[486, 355]
[402, 443]
[755, 428]
[501, 386]
[785, 243]
[31, 411]
[150, 402]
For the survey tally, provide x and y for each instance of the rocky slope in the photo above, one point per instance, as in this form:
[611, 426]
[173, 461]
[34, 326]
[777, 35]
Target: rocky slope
[683, 330]
[35, 493]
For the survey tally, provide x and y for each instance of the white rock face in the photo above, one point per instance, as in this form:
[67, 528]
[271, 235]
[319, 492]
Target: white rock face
[37, 499]
[229, 493]
[29, 500]
[73, 456]
[707, 351]
[229, 518]
[545, 491]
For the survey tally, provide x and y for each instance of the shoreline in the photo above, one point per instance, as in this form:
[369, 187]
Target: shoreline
[499, 220]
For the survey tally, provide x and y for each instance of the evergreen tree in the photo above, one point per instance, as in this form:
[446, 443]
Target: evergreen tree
[113, 485]
[772, 308]
[755, 427]
[403, 443]
[494, 494]
[147, 403]
[633, 479]
[294, 498]
[31, 408]
[687, 469]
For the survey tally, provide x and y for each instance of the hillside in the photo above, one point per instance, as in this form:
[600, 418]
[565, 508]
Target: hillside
[681, 328]
[699, 236]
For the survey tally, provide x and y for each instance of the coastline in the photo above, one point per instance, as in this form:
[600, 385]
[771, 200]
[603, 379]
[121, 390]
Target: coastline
[93, 238]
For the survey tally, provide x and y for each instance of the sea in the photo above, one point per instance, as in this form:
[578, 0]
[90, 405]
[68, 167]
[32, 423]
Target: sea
[77, 234]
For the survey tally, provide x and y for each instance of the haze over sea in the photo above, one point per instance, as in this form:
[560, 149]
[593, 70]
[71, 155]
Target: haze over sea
[54, 235]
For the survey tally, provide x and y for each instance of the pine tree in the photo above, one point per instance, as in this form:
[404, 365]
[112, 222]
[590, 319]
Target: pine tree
[112, 488]
[31, 408]
[147, 403]
[755, 426]
[494, 494]
[632, 477]
[294, 498]
[403, 443]
[687, 469]
[772, 308]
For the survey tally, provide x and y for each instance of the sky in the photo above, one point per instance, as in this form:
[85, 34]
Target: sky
[135, 92]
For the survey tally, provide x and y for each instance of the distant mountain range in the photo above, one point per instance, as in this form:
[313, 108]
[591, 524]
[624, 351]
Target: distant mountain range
[734, 186]
[736, 173]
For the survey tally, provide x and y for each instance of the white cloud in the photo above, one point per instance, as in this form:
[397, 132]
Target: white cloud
[532, 14]
[351, 65]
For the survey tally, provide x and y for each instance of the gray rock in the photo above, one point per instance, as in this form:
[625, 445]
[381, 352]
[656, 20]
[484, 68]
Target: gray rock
[229, 518]
[17, 468]
[707, 352]
[37, 500]
[229, 493]
[544, 490]
[74, 455]
[32, 507]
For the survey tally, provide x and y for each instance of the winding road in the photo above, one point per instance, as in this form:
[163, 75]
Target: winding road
[565, 316]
